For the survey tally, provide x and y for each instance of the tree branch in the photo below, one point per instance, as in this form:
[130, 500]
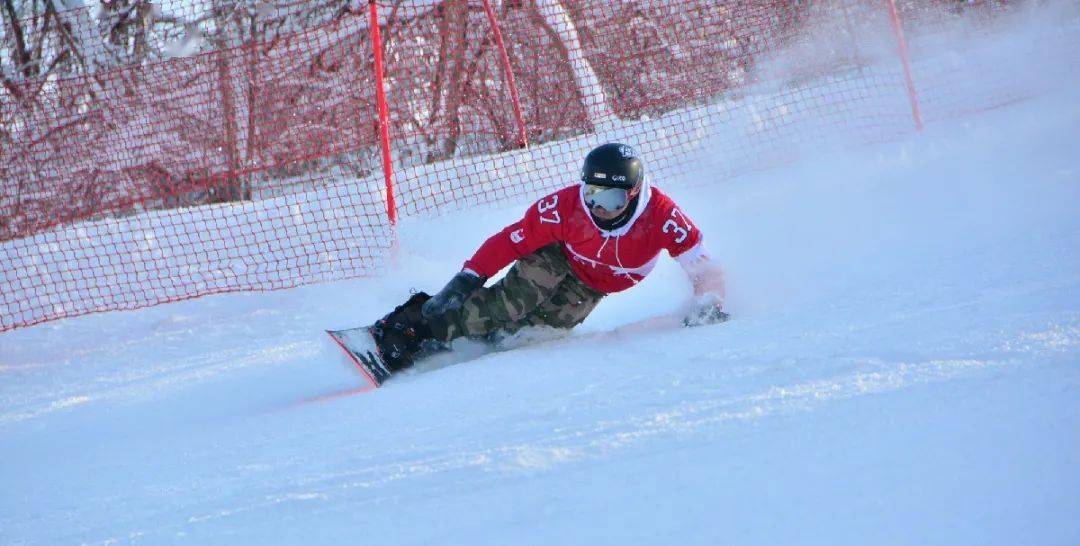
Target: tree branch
[21, 55]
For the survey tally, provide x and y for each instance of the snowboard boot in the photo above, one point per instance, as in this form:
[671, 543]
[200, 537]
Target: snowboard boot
[402, 333]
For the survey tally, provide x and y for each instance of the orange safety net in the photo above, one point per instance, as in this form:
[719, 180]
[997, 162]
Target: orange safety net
[151, 152]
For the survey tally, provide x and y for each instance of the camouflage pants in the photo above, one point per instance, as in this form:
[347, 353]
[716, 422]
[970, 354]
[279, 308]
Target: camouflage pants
[539, 290]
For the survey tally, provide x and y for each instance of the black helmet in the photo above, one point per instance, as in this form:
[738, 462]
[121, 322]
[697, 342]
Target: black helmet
[613, 165]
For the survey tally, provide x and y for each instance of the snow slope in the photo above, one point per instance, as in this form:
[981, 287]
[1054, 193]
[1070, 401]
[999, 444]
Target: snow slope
[903, 368]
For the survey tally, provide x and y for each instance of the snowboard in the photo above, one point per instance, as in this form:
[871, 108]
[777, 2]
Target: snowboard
[360, 347]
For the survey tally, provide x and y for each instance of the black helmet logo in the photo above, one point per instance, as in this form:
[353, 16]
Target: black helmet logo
[626, 151]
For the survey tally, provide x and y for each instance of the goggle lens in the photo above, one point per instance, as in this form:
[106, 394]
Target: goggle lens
[610, 199]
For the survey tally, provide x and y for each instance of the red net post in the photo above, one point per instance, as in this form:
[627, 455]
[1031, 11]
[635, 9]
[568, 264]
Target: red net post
[905, 60]
[384, 112]
[508, 73]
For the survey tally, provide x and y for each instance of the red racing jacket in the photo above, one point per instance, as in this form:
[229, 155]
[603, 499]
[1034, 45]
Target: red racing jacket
[607, 261]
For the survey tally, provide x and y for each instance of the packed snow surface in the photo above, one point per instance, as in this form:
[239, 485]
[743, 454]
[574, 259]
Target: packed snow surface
[903, 367]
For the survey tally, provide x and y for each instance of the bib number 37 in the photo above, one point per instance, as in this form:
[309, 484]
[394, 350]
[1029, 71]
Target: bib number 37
[672, 225]
[548, 213]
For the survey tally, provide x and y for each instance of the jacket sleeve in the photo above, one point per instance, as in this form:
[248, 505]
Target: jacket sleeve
[542, 225]
[704, 273]
[679, 232]
[686, 244]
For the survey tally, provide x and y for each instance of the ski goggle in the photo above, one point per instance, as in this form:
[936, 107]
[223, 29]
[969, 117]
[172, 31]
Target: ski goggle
[606, 197]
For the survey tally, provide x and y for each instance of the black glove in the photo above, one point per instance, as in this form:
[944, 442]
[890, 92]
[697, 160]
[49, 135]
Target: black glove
[705, 310]
[453, 295]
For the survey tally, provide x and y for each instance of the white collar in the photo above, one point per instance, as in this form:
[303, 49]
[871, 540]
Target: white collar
[643, 201]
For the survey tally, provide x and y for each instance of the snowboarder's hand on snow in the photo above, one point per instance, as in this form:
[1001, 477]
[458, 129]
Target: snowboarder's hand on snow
[453, 295]
[705, 309]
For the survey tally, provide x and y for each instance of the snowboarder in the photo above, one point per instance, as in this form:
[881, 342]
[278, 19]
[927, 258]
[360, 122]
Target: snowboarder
[572, 248]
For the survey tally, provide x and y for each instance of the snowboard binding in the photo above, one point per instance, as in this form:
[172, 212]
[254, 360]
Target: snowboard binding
[402, 333]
